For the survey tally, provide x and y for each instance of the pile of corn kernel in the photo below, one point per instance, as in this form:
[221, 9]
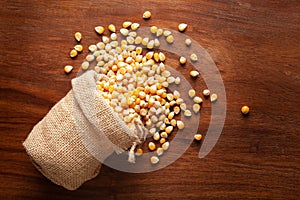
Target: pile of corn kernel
[138, 81]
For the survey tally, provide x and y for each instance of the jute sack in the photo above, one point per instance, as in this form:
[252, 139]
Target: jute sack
[81, 130]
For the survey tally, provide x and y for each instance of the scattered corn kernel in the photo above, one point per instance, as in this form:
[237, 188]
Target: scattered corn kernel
[194, 73]
[173, 122]
[68, 68]
[187, 113]
[213, 97]
[159, 32]
[162, 140]
[112, 28]
[99, 29]
[206, 92]
[198, 137]
[124, 31]
[151, 146]
[167, 33]
[170, 39]
[73, 53]
[159, 151]
[245, 110]
[180, 124]
[147, 15]
[177, 80]
[154, 160]
[182, 27]
[78, 47]
[169, 129]
[126, 24]
[188, 42]
[182, 60]
[197, 99]
[176, 110]
[139, 152]
[153, 29]
[165, 145]
[134, 26]
[156, 136]
[85, 65]
[78, 36]
[92, 48]
[196, 108]
[193, 57]
[192, 93]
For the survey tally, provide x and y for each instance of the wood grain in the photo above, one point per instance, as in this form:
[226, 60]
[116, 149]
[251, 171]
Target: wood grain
[255, 45]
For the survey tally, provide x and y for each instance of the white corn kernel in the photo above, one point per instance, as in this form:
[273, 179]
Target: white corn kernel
[159, 151]
[180, 124]
[167, 33]
[197, 99]
[177, 80]
[169, 129]
[192, 93]
[164, 135]
[193, 57]
[165, 145]
[156, 136]
[206, 92]
[92, 48]
[213, 97]
[124, 31]
[182, 27]
[194, 73]
[154, 160]
[182, 60]
[196, 108]
[68, 68]
[85, 65]
[176, 110]
[188, 42]
[187, 113]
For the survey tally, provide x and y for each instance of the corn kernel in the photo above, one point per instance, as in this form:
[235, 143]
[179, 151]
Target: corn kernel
[206, 92]
[187, 113]
[245, 110]
[73, 53]
[151, 146]
[68, 68]
[170, 39]
[192, 93]
[165, 145]
[182, 60]
[147, 15]
[154, 160]
[78, 47]
[213, 97]
[139, 152]
[188, 42]
[194, 73]
[159, 151]
[196, 108]
[197, 99]
[193, 57]
[162, 140]
[198, 137]
[126, 24]
[134, 26]
[99, 29]
[182, 27]
[78, 36]
[169, 129]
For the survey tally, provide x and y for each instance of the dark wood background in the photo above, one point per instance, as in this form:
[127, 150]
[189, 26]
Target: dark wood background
[256, 46]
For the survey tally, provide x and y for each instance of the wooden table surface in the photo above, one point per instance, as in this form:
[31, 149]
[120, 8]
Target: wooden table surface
[256, 46]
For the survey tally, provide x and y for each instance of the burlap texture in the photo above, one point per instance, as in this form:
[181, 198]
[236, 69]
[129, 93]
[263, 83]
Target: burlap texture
[81, 130]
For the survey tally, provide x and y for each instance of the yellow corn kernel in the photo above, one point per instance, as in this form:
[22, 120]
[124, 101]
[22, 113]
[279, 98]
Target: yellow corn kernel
[78, 47]
[194, 73]
[112, 28]
[139, 152]
[147, 15]
[198, 137]
[245, 110]
[182, 27]
[99, 29]
[73, 53]
[68, 68]
[151, 146]
[78, 36]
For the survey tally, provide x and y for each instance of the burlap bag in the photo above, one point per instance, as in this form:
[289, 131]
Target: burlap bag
[81, 130]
